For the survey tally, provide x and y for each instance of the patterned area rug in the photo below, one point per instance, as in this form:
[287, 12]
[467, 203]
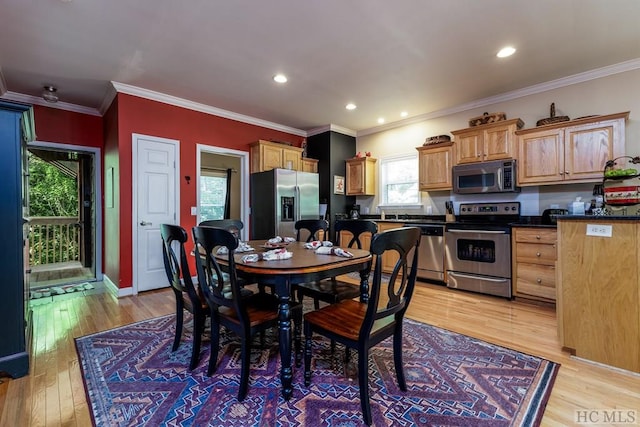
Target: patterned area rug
[132, 379]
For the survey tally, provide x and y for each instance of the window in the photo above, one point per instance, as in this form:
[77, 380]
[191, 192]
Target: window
[399, 181]
[213, 191]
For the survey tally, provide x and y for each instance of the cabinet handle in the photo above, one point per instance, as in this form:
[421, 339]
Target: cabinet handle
[539, 280]
[538, 237]
[566, 172]
[537, 253]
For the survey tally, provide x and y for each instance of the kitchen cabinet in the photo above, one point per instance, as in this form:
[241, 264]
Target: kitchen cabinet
[598, 293]
[267, 155]
[434, 167]
[570, 152]
[361, 176]
[309, 165]
[14, 314]
[482, 143]
[534, 257]
[389, 258]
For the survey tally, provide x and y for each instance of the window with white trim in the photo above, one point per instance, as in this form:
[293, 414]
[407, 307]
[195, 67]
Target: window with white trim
[399, 181]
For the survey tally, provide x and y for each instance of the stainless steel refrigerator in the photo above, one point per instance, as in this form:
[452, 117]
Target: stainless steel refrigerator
[279, 198]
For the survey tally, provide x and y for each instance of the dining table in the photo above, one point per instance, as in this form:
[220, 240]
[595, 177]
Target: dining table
[305, 265]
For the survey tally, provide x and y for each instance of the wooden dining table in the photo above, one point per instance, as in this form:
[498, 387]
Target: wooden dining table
[303, 267]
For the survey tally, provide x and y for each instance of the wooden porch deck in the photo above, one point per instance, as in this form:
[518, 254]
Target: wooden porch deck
[59, 273]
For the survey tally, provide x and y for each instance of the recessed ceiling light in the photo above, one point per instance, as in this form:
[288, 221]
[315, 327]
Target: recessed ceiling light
[280, 78]
[380, 120]
[506, 51]
[350, 106]
[404, 114]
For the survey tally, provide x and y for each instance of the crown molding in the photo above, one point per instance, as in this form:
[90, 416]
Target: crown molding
[28, 99]
[203, 108]
[598, 73]
[108, 99]
[331, 127]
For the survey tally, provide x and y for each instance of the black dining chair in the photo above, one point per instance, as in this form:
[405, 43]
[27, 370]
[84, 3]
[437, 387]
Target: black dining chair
[187, 296]
[233, 225]
[333, 290]
[313, 227]
[245, 316]
[360, 325]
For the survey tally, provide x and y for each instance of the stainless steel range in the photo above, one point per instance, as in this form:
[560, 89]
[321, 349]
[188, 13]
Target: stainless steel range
[478, 248]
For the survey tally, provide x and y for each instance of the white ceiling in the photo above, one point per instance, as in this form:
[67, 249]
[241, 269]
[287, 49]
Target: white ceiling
[422, 56]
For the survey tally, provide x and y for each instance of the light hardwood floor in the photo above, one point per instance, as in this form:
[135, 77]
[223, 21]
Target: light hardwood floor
[53, 393]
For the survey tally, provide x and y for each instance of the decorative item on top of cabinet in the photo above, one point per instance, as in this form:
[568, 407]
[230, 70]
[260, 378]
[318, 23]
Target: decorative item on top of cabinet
[309, 165]
[570, 152]
[493, 141]
[534, 257]
[267, 155]
[434, 166]
[361, 176]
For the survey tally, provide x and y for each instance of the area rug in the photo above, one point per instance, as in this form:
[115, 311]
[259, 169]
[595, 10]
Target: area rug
[132, 378]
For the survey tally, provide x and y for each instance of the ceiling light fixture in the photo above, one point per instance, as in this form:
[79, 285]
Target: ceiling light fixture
[506, 51]
[404, 114]
[49, 94]
[380, 120]
[280, 78]
[350, 106]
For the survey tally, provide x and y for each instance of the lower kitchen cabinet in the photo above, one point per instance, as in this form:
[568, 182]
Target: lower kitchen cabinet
[365, 239]
[389, 258]
[534, 256]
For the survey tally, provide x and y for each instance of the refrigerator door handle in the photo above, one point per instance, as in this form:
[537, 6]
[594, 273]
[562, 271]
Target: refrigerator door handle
[296, 203]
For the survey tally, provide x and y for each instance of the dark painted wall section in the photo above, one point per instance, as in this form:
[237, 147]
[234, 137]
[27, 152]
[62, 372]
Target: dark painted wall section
[332, 149]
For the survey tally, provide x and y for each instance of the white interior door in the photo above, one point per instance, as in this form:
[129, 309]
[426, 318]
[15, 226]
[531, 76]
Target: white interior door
[155, 194]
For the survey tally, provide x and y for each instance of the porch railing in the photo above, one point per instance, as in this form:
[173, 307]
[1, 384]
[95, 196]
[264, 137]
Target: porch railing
[53, 240]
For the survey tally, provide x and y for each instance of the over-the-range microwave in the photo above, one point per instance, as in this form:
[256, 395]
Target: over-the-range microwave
[498, 176]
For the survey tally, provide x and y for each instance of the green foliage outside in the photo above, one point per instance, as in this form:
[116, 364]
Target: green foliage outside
[52, 194]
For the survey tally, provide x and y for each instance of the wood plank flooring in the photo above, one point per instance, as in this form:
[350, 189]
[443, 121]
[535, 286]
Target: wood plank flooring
[53, 393]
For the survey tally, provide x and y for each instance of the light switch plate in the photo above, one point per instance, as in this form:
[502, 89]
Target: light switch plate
[194, 210]
[599, 230]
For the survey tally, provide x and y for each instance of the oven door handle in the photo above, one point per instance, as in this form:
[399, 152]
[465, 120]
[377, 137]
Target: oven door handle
[478, 231]
[488, 279]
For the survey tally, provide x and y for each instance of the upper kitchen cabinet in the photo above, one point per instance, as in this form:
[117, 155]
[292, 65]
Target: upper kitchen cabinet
[570, 152]
[361, 177]
[434, 166]
[309, 165]
[267, 155]
[493, 141]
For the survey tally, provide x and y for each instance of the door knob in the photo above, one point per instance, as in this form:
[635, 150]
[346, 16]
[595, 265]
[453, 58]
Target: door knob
[143, 223]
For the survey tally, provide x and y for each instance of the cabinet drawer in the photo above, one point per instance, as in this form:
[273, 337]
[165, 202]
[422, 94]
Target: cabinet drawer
[536, 253]
[537, 235]
[536, 280]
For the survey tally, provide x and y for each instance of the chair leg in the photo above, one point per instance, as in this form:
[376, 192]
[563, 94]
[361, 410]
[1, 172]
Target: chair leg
[363, 383]
[316, 303]
[245, 355]
[297, 334]
[179, 321]
[215, 344]
[198, 329]
[397, 358]
[307, 354]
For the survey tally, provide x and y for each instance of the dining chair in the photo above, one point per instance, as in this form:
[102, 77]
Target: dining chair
[361, 325]
[233, 225]
[245, 316]
[176, 267]
[313, 227]
[332, 290]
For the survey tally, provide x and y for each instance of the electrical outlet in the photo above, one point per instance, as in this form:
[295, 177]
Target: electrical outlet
[599, 230]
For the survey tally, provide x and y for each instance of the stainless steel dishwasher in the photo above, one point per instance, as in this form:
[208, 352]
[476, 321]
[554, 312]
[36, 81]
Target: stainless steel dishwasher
[430, 251]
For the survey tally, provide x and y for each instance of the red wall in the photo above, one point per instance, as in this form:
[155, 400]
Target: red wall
[138, 115]
[67, 127]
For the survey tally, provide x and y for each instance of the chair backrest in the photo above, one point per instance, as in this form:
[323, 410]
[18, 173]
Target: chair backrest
[210, 278]
[176, 265]
[312, 226]
[233, 225]
[404, 242]
[356, 227]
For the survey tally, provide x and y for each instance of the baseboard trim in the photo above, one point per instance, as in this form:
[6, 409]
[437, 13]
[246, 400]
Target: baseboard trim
[118, 292]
